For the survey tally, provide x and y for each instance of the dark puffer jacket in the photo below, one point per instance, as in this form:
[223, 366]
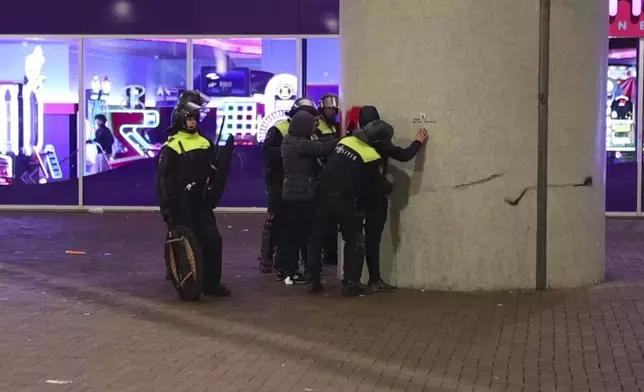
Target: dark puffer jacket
[299, 155]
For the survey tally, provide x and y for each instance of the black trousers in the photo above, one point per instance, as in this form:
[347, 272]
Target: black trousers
[296, 230]
[375, 219]
[331, 244]
[328, 209]
[271, 231]
[200, 219]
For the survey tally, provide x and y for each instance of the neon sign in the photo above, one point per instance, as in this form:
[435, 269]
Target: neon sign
[9, 119]
[625, 18]
[129, 123]
[33, 117]
[636, 7]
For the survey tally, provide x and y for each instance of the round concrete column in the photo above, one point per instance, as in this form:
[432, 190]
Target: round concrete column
[471, 67]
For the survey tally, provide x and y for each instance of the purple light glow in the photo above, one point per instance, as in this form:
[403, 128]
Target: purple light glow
[250, 46]
[619, 54]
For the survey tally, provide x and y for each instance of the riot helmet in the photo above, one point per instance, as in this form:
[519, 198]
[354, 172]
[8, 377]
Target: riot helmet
[375, 133]
[329, 107]
[186, 118]
[187, 114]
[194, 97]
[305, 104]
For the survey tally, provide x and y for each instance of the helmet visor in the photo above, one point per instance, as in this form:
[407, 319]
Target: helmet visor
[331, 101]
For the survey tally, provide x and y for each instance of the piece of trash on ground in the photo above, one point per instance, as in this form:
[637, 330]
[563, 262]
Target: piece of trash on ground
[107, 254]
[75, 252]
[244, 230]
[58, 382]
[230, 227]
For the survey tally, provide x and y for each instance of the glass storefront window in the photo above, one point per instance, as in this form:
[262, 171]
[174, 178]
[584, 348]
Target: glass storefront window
[131, 86]
[621, 130]
[251, 83]
[322, 67]
[38, 126]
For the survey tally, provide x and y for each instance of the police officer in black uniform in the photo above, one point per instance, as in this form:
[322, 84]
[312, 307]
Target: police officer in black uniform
[274, 178]
[184, 172]
[375, 205]
[352, 171]
[328, 128]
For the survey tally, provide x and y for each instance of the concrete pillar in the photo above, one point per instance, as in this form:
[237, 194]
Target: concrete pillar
[472, 68]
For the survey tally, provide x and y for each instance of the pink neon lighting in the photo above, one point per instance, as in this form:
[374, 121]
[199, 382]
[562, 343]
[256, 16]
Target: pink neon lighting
[636, 7]
[250, 46]
[618, 54]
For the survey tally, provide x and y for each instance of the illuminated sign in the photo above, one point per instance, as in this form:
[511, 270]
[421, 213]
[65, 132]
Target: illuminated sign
[9, 119]
[134, 97]
[285, 91]
[268, 122]
[130, 122]
[626, 18]
[33, 112]
[636, 7]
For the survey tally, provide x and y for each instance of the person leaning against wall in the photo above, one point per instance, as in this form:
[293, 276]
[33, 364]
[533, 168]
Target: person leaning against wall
[375, 206]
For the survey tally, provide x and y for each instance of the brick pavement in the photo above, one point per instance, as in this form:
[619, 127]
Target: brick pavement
[108, 321]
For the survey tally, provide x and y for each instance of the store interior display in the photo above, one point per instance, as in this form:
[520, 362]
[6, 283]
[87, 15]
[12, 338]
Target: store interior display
[133, 84]
[620, 108]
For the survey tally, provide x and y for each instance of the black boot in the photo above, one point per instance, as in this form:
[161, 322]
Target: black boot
[316, 287]
[355, 289]
[381, 287]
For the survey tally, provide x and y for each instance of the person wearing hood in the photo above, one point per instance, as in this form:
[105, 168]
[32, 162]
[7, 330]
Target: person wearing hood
[375, 205]
[351, 173]
[184, 168]
[271, 149]
[299, 159]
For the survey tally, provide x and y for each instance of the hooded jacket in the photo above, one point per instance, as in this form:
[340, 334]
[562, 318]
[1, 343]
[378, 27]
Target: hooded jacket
[388, 150]
[299, 154]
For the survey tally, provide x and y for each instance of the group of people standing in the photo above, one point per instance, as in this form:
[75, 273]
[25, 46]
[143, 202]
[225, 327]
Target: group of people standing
[319, 182]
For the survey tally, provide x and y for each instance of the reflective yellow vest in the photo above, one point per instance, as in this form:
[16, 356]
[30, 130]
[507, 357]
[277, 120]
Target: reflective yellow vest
[326, 129]
[282, 126]
[366, 152]
[184, 142]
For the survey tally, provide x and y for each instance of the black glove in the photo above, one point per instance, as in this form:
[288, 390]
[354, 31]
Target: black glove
[351, 128]
[166, 213]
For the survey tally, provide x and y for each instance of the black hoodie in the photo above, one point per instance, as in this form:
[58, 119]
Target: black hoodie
[299, 154]
[388, 150]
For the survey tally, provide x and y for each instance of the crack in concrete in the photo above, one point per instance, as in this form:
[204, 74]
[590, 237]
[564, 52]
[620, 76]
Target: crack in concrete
[465, 185]
[479, 182]
[588, 182]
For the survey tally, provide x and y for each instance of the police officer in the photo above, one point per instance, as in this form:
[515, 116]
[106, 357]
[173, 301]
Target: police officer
[352, 171]
[274, 178]
[375, 205]
[329, 107]
[184, 172]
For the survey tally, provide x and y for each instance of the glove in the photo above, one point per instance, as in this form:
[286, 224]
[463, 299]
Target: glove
[166, 213]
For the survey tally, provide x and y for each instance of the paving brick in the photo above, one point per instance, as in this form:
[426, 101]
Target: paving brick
[108, 321]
